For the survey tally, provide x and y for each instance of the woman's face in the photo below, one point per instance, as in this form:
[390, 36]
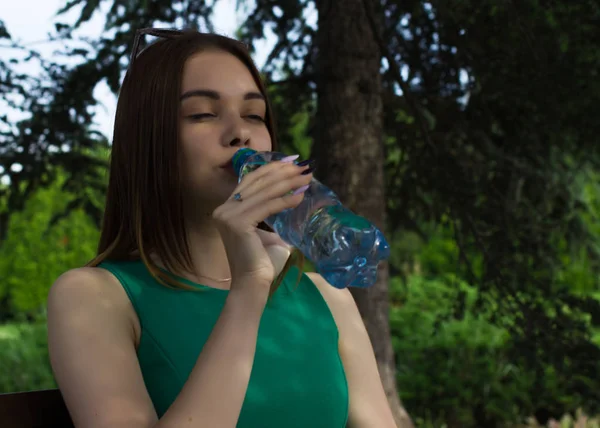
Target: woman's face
[222, 110]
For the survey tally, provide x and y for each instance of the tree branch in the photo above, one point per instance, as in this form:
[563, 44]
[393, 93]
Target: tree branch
[395, 70]
[303, 78]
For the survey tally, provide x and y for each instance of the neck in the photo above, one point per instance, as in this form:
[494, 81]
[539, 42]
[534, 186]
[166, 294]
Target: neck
[210, 265]
[209, 258]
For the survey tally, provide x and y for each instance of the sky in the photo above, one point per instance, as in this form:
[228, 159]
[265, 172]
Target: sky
[30, 21]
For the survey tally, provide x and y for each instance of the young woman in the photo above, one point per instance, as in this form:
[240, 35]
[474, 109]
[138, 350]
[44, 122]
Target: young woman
[192, 315]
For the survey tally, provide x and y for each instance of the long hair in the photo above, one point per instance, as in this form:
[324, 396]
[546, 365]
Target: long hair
[144, 200]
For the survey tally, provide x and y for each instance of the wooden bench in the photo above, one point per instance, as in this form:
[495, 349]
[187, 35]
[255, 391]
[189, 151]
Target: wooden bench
[34, 409]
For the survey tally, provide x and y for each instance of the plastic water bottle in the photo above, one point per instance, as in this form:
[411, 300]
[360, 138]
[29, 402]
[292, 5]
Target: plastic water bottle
[344, 247]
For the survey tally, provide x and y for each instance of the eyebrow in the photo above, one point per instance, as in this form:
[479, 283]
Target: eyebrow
[214, 95]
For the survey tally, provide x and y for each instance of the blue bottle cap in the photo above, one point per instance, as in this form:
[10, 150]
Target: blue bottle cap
[240, 157]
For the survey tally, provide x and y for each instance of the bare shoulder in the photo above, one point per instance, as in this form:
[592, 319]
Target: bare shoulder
[368, 403]
[329, 292]
[91, 341]
[96, 290]
[340, 301]
[84, 279]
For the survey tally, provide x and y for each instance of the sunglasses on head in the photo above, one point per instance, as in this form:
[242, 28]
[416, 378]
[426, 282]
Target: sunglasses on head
[164, 33]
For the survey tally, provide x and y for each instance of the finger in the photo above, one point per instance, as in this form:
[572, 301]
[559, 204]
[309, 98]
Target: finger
[277, 173]
[259, 212]
[264, 194]
[244, 217]
[268, 174]
[276, 184]
[239, 213]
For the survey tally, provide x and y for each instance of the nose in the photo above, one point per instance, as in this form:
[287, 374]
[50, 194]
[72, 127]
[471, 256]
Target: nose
[236, 134]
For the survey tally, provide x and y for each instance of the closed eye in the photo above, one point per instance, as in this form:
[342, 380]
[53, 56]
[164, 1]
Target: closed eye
[201, 116]
[256, 117]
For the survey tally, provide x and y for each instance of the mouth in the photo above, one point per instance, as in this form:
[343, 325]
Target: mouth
[229, 168]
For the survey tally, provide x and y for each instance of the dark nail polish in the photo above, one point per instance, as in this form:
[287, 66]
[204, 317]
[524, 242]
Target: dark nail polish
[308, 171]
[306, 162]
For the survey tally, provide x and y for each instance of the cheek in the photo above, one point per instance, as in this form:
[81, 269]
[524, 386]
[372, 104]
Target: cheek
[262, 142]
[194, 144]
[194, 154]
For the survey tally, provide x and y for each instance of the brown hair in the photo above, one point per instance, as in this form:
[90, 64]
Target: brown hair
[144, 201]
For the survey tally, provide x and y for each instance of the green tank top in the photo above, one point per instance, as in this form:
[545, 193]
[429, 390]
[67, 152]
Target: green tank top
[297, 379]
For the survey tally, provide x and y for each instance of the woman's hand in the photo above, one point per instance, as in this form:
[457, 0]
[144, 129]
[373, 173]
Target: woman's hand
[278, 250]
[253, 254]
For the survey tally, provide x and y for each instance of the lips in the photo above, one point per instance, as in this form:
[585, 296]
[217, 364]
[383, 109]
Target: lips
[229, 168]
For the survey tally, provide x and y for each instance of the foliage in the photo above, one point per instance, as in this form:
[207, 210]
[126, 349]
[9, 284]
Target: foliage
[491, 133]
[451, 370]
[55, 130]
[459, 372]
[24, 358]
[506, 140]
[455, 367]
[487, 132]
[38, 249]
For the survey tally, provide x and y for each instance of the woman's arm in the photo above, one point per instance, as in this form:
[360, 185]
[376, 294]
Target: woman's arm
[215, 390]
[369, 406]
[92, 350]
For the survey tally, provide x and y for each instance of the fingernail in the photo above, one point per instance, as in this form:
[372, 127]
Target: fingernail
[308, 171]
[289, 159]
[306, 162]
[300, 190]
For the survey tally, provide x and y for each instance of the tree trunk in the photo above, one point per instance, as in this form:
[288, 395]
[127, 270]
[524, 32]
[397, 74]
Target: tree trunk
[349, 151]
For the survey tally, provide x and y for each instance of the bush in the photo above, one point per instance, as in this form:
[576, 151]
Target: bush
[36, 251]
[24, 358]
[452, 372]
